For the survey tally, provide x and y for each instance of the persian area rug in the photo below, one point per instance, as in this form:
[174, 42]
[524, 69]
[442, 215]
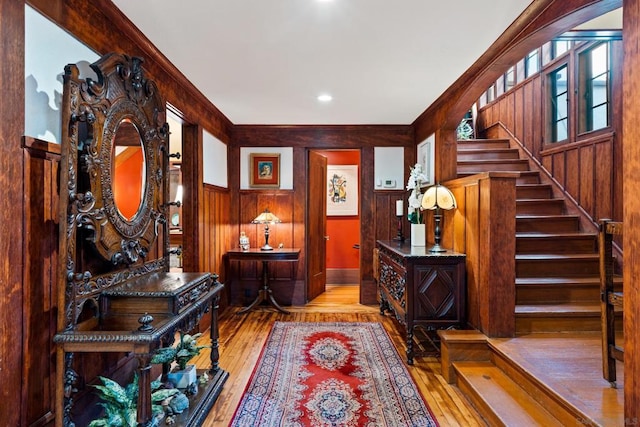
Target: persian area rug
[331, 374]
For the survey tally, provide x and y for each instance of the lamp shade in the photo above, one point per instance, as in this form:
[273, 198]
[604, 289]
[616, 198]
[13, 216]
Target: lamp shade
[266, 217]
[438, 196]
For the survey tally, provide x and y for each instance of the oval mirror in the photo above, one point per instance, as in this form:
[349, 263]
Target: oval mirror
[128, 170]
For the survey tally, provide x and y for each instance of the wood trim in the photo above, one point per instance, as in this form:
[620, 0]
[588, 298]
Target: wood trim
[631, 217]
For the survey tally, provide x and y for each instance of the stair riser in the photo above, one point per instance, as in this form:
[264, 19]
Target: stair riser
[529, 245]
[529, 325]
[538, 192]
[506, 166]
[557, 268]
[542, 207]
[555, 294]
[483, 144]
[547, 225]
[464, 155]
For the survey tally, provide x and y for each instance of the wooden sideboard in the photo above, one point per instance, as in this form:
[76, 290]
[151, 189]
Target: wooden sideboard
[422, 289]
[138, 316]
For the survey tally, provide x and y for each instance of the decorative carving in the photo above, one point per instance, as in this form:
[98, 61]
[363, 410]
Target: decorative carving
[100, 106]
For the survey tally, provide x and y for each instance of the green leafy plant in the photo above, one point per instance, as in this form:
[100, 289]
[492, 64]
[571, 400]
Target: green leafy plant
[120, 403]
[464, 130]
[184, 351]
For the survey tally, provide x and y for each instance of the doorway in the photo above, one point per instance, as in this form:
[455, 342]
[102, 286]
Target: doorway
[342, 234]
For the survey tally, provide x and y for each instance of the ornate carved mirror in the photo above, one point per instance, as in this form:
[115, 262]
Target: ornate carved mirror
[118, 126]
[113, 169]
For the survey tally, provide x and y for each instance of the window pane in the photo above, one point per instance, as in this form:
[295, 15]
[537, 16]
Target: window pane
[599, 60]
[509, 81]
[533, 63]
[546, 53]
[560, 47]
[600, 117]
[561, 106]
[599, 92]
[561, 130]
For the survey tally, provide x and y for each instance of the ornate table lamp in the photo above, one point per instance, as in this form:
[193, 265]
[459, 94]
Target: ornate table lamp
[266, 218]
[438, 197]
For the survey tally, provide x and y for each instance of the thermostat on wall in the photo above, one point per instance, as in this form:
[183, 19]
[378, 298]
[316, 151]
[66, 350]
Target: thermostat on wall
[389, 183]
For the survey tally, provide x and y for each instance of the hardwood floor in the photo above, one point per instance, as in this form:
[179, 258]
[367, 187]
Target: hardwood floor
[242, 338]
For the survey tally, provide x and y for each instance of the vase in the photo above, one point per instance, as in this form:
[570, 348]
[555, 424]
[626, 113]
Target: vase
[418, 235]
[183, 378]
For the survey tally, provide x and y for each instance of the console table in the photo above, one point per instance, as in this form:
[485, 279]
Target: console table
[256, 254]
[421, 288]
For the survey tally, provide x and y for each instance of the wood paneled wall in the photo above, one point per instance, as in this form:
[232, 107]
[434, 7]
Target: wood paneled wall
[216, 234]
[40, 296]
[484, 223]
[375, 207]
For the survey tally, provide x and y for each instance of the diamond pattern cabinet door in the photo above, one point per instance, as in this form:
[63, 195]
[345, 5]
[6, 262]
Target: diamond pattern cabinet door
[438, 296]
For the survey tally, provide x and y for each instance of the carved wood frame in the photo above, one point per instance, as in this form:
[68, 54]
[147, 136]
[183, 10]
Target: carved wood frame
[91, 113]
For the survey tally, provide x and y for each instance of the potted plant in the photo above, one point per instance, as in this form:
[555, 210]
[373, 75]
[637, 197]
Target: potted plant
[181, 375]
[415, 217]
[120, 403]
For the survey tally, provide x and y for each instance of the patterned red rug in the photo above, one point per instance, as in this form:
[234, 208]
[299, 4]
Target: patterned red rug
[331, 374]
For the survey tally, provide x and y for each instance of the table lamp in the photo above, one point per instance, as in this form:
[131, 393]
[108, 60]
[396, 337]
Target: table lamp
[438, 197]
[266, 218]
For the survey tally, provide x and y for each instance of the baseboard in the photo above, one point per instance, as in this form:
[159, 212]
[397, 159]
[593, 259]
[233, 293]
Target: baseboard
[343, 276]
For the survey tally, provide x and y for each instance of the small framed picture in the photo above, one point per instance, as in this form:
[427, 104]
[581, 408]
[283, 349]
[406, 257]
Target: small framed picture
[265, 170]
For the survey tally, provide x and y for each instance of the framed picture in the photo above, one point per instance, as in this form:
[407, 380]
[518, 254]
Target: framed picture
[342, 190]
[265, 170]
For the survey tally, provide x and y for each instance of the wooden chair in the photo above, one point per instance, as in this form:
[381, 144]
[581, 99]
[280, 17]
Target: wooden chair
[611, 301]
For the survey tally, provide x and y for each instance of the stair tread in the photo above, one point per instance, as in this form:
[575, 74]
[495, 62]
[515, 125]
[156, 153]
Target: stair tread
[485, 161]
[545, 217]
[557, 256]
[552, 200]
[511, 404]
[485, 150]
[551, 310]
[560, 234]
[569, 280]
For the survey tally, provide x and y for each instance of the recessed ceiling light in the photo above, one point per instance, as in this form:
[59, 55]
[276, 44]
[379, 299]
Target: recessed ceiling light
[325, 97]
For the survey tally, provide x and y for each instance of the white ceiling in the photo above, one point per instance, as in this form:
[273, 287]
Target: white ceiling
[266, 61]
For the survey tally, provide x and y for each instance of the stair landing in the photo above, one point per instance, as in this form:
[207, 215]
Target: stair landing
[537, 379]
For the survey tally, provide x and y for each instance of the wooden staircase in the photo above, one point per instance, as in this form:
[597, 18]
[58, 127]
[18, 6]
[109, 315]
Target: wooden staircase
[557, 270]
[557, 297]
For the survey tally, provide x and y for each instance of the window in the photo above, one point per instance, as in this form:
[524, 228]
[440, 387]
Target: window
[499, 86]
[559, 102]
[532, 63]
[594, 88]
[510, 79]
[558, 47]
[491, 93]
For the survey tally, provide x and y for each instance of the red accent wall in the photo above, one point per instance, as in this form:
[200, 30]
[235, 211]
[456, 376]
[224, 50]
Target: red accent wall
[343, 231]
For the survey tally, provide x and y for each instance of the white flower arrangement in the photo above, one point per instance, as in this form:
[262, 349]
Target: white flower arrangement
[416, 178]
